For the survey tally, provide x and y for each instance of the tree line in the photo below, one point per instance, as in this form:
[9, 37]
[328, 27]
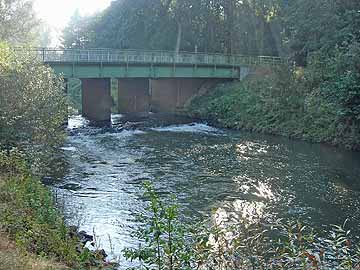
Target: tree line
[251, 27]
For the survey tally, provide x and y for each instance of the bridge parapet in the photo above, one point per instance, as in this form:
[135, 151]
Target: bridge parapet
[111, 56]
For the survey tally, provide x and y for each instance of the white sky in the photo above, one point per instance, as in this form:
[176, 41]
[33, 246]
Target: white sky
[57, 13]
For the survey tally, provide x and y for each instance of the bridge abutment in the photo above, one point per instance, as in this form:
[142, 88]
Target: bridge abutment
[133, 95]
[96, 100]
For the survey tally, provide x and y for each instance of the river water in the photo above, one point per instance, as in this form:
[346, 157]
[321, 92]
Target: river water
[208, 169]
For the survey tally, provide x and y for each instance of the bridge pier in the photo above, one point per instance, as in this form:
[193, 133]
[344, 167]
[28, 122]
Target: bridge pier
[134, 96]
[169, 95]
[96, 101]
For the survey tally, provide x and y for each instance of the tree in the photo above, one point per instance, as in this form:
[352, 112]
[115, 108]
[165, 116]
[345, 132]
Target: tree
[17, 21]
[79, 32]
[322, 25]
[222, 26]
[33, 105]
[44, 35]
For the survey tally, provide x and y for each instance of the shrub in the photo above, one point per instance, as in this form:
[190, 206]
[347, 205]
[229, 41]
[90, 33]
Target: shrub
[33, 106]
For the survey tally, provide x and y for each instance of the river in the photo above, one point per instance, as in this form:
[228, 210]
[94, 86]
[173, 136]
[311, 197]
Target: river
[207, 169]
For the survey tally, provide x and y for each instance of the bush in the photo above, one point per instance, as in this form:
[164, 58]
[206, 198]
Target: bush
[163, 235]
[33, 106]
[30, 215]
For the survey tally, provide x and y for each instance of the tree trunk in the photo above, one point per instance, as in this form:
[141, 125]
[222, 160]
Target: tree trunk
[179, 36]
[229, 8]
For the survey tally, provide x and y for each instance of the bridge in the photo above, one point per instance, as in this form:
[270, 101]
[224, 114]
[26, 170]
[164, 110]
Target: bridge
[145, 80]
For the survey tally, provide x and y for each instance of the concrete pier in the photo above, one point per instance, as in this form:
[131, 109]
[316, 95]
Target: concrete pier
[134, 96]
[96, 100]
[168, 95]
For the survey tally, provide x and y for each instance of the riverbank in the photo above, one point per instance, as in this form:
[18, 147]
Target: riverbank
[12, 258]
[13, 254]
[278, 103]
[33, 233]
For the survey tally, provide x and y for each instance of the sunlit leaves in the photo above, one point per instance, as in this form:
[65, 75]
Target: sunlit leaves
[17, 21]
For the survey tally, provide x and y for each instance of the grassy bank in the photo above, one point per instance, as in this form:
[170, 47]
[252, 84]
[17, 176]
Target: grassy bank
[31, 232]
[34, 234]
[11, 258]
[284, 102]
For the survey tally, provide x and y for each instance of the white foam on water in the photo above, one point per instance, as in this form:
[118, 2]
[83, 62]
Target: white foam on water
[126, 133]
[192, 128]
[77, 121]
[116, 117]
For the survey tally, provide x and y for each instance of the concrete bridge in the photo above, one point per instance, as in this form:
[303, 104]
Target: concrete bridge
[159, 81]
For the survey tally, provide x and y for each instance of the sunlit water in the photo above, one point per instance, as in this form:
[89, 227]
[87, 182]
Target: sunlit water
[234, 173]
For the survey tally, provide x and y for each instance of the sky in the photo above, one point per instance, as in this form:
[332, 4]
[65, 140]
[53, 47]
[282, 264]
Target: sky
[57, 13]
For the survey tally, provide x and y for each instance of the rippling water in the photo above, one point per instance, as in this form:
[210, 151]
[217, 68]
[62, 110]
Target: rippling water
[232, 172]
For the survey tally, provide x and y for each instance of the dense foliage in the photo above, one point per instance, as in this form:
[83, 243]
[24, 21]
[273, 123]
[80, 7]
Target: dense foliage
[18, 23]
[33, 106]
[319, 101]
[29, 214]
[323, 25]
[33, 109]
[228, 26]
[265, 27]
[298, 104]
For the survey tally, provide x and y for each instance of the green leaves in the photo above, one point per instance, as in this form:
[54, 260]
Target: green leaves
[223, 26]
[33, 106]
[163, 235]
[18, 22]
[320, 103]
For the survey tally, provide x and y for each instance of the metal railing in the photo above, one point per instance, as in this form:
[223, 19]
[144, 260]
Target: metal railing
[150, 57]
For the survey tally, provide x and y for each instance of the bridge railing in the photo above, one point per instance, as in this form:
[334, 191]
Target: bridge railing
[150, 57]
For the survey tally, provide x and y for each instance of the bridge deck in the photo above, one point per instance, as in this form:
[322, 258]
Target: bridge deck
[151, 57]
[109, 63]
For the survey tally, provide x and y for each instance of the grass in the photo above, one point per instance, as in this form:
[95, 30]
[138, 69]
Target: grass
[13, 259]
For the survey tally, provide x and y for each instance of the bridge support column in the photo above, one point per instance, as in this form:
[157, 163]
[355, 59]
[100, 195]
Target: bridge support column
[134, 96]
[96, 101]
[168, 95]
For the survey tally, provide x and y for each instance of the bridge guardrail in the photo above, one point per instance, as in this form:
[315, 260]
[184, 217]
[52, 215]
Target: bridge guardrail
[151, 57]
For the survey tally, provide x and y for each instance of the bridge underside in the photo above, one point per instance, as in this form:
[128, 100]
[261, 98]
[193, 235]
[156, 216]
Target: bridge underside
[141, 88]
[137, 95]
[98, 70]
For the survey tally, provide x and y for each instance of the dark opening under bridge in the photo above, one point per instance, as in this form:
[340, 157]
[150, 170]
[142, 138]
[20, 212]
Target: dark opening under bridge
[146, 80]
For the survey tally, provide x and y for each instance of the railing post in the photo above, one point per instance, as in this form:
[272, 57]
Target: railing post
[43, 54]
[127, 64]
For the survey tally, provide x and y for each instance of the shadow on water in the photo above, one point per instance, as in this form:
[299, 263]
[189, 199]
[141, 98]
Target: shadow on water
[237, 173]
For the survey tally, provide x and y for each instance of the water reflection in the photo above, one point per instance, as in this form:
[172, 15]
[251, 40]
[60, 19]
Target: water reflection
[263, 190]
